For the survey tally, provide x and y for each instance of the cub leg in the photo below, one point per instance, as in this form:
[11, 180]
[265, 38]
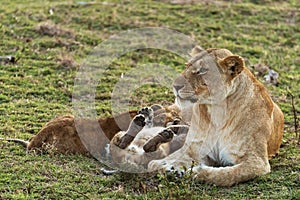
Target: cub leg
[136, 125]
[162, 137]
[144, 117]
[168, 135]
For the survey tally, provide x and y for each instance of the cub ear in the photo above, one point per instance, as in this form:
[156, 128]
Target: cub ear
[196, 50]
[232, 65]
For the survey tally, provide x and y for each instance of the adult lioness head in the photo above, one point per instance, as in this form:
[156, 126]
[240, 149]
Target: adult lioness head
[210, 75]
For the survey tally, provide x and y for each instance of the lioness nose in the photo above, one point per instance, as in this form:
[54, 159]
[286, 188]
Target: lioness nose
[178, 87]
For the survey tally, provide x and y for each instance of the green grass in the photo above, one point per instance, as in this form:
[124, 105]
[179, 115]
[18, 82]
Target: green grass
[39, 87]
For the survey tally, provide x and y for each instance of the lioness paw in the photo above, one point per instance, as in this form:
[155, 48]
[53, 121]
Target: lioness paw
[157, 165]
[176, 171]
[163, 166]
[180, 170]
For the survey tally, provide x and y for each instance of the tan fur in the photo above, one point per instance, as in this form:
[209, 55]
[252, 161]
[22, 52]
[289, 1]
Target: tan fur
[235, 125]
[61, 136]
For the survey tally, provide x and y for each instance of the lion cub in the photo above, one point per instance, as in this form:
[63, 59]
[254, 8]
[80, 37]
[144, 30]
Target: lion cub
[147, 139]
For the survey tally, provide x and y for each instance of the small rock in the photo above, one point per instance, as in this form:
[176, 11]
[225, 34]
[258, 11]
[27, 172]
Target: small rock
[272, 77]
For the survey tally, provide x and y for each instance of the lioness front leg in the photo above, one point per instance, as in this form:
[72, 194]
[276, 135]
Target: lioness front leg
[230, 175]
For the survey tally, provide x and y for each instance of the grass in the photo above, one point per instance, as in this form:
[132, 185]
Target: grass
[39, 86]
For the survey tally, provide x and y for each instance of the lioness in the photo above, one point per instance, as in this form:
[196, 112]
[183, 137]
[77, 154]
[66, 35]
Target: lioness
[235, 125]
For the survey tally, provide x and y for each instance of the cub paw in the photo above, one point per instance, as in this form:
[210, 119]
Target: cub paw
[162, 137]
[139, 120]
[147, 112]
[167, 135]
[125, 141]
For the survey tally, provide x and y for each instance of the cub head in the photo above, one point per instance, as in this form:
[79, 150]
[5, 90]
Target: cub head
[208, 78]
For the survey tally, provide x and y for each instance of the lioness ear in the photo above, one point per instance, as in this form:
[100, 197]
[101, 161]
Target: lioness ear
[232, 65]
[196, 50]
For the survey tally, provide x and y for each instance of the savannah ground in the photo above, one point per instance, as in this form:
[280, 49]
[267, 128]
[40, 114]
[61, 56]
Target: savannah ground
[50, 40]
